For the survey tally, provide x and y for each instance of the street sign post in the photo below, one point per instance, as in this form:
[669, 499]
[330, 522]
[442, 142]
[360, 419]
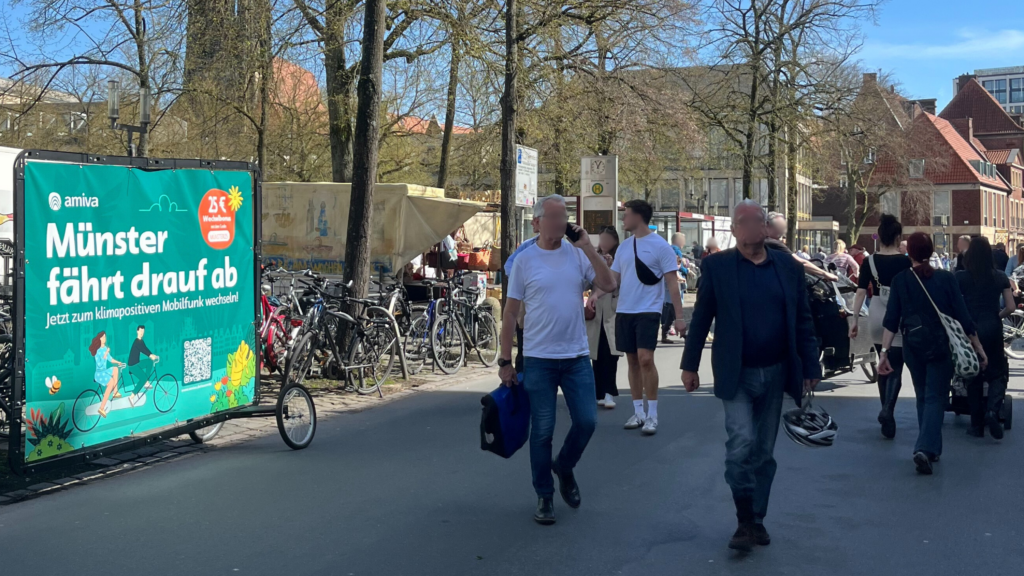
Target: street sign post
[526, 176]
[599, 193]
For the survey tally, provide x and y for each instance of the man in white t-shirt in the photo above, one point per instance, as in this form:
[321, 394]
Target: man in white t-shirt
[549, 278]
[645, 267]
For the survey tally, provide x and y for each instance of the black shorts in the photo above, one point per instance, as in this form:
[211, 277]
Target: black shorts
[637, 331]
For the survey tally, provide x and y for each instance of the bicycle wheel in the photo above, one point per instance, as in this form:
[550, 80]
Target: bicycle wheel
[299, 360]
[487, 348]
[417, 344]
[371, 357]
[165, 393]
[1013, 326]
[447, 345]
[205, 434]
[296, 416]
[80, 413]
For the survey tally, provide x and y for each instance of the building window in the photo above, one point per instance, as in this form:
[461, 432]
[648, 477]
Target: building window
[870, 159]
[719, 196]
[761, 191]
[917, 168]
[997, 88]
[890, 203]
[843, 181]
[1002, 211]
[1017, 90]
[737, 190]
[940, 208]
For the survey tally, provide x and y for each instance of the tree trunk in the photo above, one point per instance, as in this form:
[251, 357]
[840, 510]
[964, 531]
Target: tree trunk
[449, 116]
[340, 81]
[792, 191]
[851, 211]
[140, 46]
[266, 65]
[509, 113]
[770, 171]
[364, 173]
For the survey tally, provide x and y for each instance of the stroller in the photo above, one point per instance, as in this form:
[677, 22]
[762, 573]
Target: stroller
[830, 311]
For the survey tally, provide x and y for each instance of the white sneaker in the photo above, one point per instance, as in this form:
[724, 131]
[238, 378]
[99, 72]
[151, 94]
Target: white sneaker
[634, 422]
[650, 427]
[601, 402]
[609, 403]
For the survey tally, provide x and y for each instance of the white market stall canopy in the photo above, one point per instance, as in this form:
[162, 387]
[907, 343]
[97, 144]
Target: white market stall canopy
[305, 224]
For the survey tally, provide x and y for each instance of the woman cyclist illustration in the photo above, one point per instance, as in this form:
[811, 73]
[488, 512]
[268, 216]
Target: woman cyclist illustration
[104, 373]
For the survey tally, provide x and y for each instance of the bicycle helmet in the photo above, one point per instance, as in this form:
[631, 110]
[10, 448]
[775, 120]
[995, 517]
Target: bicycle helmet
[809, 425]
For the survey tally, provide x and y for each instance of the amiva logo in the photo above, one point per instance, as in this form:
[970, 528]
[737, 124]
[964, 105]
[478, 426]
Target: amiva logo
[83, 201]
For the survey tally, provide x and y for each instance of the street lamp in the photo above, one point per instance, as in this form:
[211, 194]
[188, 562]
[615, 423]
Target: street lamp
[114, 113]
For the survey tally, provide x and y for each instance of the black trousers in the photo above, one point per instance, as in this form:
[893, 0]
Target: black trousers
[980, 404]
[889, 386]
[605, 368]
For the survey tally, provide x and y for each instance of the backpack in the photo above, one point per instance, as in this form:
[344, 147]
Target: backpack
[505, 424]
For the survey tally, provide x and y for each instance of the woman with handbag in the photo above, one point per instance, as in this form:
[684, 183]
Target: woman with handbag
[939, 340]
[600, 315]
[982, 285]
[877, 274]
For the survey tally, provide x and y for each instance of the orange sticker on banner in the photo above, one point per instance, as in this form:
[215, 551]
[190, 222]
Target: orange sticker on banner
[217, 219]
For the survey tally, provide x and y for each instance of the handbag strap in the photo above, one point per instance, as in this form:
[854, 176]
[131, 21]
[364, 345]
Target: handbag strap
[926, 293]
[874, 270]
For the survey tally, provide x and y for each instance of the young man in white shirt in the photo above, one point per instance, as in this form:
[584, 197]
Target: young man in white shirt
[549, 278]
[638, 315]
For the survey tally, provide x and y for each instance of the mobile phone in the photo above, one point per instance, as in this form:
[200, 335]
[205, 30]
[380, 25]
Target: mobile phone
[570, 233]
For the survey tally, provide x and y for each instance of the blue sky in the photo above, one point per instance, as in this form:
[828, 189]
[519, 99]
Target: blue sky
[925, 44]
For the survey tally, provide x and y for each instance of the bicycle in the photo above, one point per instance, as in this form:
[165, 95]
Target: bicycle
[85, 412]
[317, 349]
[461, 321]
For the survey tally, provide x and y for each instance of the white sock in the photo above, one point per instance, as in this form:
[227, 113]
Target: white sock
[652, 409]
[638, 407]
[609, 398]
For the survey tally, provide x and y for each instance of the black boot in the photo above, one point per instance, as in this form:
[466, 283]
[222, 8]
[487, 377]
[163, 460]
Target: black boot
[567, 485]
[545, 514]
[886, 417]
[743, 538]
[995, 428]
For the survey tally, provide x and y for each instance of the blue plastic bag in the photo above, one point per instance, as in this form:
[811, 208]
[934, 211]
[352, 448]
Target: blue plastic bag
[505, 424]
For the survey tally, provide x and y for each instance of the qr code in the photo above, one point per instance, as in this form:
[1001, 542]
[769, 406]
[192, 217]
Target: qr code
[197, 360]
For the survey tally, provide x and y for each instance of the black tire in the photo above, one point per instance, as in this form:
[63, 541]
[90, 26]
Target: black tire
[1007, 412]
[296, 416]
[82, 421]
[417, 344]
[871, 371]
[376, 349]
[165, 393]
[447, 344]
[205, 434]
[299, 360]
[487, 345]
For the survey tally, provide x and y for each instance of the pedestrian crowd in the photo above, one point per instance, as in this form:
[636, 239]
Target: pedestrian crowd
[941, 317]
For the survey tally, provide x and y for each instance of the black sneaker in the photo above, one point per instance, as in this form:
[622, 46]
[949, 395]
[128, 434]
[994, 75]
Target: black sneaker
[994, 427]
[545, 514]
[567, 486]
[923, 463]
[761, 537]
[888, 422]
[743, 538]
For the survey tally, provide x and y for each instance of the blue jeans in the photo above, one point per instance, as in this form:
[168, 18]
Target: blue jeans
[541, 380]
[931, 385]
[752, 423]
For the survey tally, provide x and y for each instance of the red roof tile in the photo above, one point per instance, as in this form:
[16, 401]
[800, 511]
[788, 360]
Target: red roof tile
[973, 101]
[960, 154]
[1005, 156]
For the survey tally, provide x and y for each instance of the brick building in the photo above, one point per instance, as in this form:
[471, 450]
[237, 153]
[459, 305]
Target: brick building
[973, 184]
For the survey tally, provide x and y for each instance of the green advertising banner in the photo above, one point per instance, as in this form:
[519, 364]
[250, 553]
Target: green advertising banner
[139, 301]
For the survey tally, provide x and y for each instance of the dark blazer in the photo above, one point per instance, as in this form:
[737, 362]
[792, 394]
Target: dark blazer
[718, 295]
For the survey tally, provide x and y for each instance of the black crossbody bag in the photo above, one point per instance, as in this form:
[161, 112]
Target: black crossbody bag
[643, 272]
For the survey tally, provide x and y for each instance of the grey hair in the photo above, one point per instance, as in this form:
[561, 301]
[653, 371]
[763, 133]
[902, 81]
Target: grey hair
[538, 208]
[773, 216]
[752, 204]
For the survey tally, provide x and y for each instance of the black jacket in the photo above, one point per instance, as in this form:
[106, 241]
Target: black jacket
[718, 297]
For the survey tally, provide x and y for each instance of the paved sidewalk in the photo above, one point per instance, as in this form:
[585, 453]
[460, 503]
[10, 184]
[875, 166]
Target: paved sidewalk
[329, 403]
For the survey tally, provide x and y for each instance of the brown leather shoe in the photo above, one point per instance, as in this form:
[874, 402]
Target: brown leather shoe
[743, 538]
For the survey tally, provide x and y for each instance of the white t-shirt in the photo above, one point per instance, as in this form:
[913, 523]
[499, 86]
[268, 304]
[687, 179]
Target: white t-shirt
[635, 297]
[550, 283]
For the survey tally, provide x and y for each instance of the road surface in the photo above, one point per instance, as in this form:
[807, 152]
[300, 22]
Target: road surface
[404, 489]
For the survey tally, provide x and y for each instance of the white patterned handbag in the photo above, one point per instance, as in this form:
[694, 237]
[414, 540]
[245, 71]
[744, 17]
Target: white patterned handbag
[965, 361]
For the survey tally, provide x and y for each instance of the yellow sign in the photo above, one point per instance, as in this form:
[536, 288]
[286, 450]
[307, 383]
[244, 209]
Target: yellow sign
[597, 188]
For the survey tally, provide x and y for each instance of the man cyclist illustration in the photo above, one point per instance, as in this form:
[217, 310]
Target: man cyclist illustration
[140, 363]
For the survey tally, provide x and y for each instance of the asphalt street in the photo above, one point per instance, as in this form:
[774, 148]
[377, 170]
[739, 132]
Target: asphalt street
[404, 489]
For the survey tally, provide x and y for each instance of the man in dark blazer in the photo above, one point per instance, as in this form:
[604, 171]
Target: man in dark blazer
[764, 348]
